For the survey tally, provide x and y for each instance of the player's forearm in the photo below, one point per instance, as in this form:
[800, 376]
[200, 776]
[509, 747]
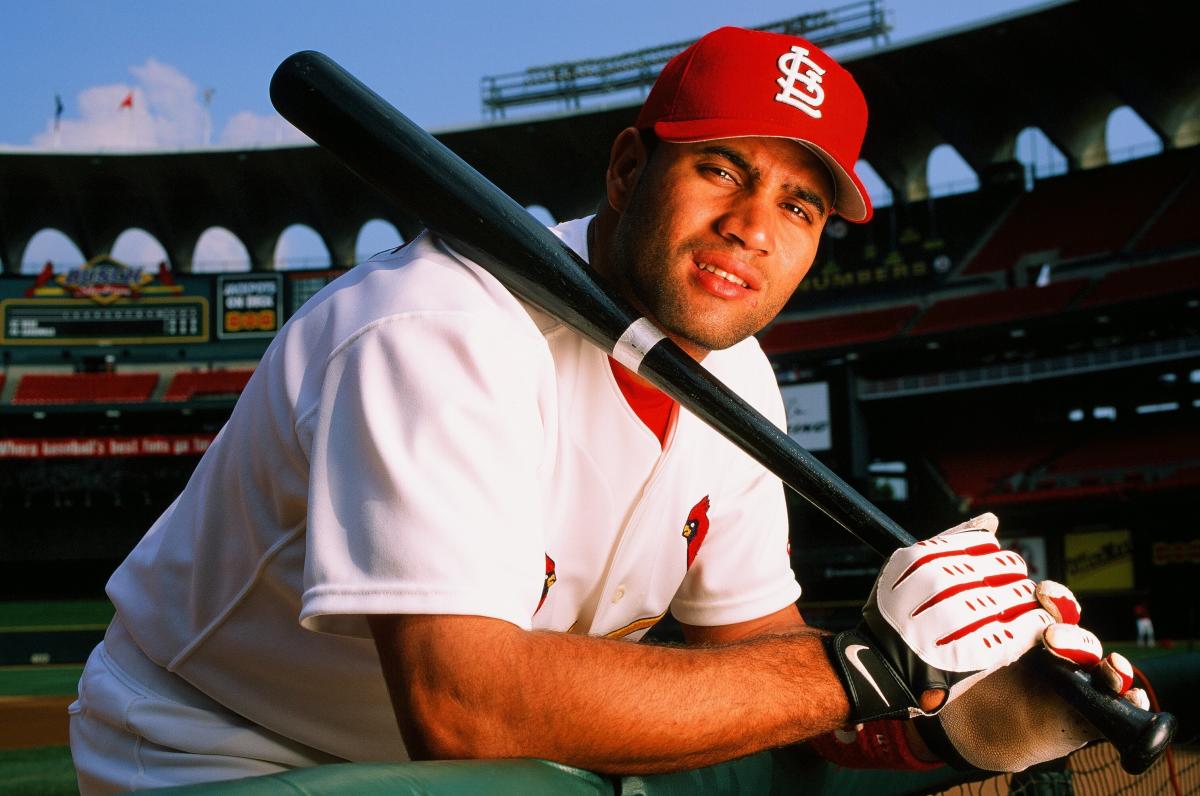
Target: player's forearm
[600, 704]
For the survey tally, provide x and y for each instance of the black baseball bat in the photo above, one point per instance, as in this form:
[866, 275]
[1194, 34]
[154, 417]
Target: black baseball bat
[428, 181]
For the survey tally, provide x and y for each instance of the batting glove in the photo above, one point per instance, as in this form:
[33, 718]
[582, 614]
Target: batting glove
[1013, 718]
[943, 614]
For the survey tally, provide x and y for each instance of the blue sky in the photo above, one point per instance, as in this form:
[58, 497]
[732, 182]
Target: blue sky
[426, 58]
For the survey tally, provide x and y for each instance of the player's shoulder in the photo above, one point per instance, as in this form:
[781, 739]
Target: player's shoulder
[743, 364]
[425, 279]
[745, 368]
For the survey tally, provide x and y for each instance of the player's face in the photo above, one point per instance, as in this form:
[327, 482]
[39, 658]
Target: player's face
[716, 235]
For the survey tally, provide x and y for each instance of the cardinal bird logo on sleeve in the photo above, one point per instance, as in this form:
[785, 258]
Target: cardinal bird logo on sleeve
[548, 582]
[695, 529]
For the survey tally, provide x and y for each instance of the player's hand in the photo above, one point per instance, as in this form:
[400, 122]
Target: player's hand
[1013, 719]
[943, 614]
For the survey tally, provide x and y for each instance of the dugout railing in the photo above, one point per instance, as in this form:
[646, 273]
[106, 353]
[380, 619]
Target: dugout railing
[1092, 770]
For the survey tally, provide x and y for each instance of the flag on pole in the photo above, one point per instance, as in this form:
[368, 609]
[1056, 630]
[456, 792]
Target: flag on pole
[127, 102]
[58, 111]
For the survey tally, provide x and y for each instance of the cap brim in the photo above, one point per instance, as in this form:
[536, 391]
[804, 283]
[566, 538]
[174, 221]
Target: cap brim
[851, 201]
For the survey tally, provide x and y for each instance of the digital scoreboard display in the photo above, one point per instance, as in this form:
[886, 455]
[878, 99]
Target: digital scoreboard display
[249, 305]
[178, 319]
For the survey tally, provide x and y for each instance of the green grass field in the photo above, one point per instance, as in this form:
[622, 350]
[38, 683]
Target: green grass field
[54, 615]
[39, 680]
[37, 772]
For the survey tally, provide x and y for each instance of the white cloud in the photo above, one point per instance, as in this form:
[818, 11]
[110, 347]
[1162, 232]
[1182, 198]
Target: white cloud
[247, 129]
[168, 113]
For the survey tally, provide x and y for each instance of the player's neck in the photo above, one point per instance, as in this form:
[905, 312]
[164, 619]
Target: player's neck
[599, 236]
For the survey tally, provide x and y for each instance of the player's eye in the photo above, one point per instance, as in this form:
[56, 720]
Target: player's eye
[798, 211]
[721, 173]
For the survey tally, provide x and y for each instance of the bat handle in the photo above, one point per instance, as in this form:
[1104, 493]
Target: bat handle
[1139, 736]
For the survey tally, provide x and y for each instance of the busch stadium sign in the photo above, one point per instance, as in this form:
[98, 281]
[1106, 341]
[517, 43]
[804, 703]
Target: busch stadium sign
[103, 280]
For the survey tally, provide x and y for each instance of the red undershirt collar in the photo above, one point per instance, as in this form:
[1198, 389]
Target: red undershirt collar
[652, 406]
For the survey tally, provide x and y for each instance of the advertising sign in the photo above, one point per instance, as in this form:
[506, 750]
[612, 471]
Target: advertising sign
[807, 407]
[1099, 561]
[249, 305]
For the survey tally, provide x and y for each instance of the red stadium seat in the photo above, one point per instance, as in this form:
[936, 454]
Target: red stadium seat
[1104, 466]
[997, 307]
[1177, 224]
[193, 384]
[837, 330]
[1073, 215]
[1145, 281]
[84, 388]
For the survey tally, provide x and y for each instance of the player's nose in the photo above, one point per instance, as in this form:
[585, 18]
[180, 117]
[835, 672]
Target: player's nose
[747, 222]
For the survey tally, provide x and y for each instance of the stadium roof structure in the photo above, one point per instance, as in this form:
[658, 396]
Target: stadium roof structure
[1063, 67]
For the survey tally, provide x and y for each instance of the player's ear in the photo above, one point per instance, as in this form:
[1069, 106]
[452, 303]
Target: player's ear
[625, 164]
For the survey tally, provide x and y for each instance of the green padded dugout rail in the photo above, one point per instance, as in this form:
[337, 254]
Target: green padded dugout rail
[779, 772]
[429, 778]
[783, 771]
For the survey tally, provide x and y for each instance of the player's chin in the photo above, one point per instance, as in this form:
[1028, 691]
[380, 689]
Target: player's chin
[712, 332]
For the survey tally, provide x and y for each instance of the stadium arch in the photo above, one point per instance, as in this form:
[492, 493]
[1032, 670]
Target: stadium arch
[1127, 136]
[376, 236]
[1038, 155]
[954, 172]
[219, 250]
[49, 245]
[877, 188]
[135, 246]
[300, 246]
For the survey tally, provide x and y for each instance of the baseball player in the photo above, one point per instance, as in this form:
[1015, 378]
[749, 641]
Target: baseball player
[436, 517]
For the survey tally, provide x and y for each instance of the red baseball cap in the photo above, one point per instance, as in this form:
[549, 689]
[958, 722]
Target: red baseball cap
[734, 83]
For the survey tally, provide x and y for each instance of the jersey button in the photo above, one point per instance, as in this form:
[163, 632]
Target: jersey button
[618, 594]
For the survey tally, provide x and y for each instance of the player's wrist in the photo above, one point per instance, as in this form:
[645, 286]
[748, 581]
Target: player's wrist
[873, 687]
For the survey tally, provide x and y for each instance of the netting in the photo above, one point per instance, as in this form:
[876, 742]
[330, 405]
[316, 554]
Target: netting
[1096, 771]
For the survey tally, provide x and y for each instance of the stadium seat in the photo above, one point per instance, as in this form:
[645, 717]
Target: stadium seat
[1130, 452]
[1145, 281]
[1177, 224]
[1073, 215]
[837, 330]
[84, 388]
[193, 384]
[983, 309]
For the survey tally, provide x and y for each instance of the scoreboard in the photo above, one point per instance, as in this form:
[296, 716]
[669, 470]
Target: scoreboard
[152, 319]
[107, 303]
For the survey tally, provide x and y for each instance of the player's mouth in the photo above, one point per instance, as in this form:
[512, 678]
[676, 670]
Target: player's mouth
[728, 277]
[724, 275]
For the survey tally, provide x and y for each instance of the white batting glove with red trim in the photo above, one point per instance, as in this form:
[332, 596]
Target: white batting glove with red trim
[943, 614]
[1013, 719]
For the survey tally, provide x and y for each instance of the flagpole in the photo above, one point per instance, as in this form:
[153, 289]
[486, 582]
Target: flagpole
[208, 95]
[130, 130]
[58, 112]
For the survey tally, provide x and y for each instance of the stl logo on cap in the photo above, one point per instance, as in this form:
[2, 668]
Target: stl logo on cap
[737, 83]
[789, 64]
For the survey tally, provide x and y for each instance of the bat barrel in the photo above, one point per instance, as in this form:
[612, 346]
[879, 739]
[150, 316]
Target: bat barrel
[416, 172]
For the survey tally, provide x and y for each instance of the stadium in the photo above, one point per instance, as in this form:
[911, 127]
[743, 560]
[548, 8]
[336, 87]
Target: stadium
[1026, 343]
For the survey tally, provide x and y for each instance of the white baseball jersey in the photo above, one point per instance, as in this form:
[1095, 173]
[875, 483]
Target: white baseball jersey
[416, 440]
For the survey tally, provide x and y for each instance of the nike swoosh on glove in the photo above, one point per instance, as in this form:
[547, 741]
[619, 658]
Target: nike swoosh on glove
[943, 614]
